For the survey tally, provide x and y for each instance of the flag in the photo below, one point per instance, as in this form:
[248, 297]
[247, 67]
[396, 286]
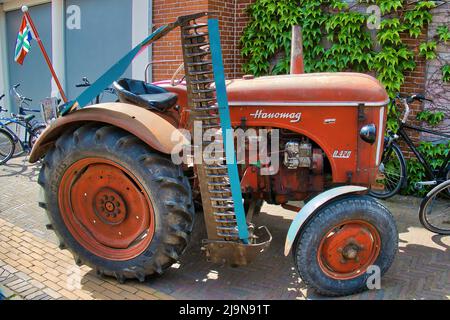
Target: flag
[23, 42]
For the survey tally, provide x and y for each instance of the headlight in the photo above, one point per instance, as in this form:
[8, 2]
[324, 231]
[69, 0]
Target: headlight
[369, 133]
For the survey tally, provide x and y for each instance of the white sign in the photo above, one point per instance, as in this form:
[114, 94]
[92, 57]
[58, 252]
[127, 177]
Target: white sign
[73, 17]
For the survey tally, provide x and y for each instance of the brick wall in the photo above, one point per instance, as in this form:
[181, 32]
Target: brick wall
[414, 83]
[169, 47]
[436, 89]
[232, 18]
[242, 20]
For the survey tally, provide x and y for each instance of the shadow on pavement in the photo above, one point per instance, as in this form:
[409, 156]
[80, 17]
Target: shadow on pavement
[20, 167]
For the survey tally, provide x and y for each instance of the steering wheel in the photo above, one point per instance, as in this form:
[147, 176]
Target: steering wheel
[174, 82]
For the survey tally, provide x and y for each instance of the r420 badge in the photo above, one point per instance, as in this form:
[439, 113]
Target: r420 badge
[342, 154]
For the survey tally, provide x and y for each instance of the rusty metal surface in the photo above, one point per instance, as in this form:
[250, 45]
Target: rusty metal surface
[348, 249]
[213, 179]
[297, 65]
[311, 207]
[235, 253]
[106, 209]
[148, 126]
[313, 89]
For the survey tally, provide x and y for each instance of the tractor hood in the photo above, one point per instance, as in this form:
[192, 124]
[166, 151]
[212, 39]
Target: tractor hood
[316, 89]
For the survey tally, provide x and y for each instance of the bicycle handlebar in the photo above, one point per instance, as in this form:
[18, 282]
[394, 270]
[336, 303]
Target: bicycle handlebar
[86, 83]
[29, 110]
[410, 99]
[2, 96]
[18, 95]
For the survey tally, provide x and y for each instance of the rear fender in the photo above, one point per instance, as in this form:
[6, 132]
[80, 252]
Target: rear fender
[312, 207]
[151, 128]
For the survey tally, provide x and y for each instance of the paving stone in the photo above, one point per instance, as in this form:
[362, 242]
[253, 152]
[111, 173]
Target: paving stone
[420, 271]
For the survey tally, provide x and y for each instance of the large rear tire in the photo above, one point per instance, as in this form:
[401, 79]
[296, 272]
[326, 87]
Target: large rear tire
[117, 205]
[335, 250]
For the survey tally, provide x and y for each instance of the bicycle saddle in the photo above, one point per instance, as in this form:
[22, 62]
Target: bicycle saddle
[26, 118]
[145, 95]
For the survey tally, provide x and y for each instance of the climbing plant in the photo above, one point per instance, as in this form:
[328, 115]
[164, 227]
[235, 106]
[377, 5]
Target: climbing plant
[446, 73]
[337, 38]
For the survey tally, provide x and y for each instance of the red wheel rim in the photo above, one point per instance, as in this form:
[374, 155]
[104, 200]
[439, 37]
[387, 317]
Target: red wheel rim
[106, 209]
[348, 249]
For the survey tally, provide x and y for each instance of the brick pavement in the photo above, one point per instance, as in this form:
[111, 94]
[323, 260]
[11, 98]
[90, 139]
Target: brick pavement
[32, 267]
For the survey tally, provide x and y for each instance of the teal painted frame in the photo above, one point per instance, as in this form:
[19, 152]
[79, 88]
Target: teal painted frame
[225, 123]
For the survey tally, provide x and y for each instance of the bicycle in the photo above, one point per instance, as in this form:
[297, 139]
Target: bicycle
[37, 127]
[9, 139]
[7, 142]
[434, 212]
[393, 164]
[86, 83]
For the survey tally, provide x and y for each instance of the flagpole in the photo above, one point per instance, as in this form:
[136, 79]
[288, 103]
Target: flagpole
[47, 59]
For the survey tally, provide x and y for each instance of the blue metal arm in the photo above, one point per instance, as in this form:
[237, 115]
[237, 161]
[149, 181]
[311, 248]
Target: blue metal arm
[225, 123]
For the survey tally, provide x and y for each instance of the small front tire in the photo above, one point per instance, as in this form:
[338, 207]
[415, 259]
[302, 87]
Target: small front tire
[337, 249]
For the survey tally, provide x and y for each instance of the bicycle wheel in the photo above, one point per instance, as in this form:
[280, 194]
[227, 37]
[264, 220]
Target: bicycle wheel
[393, 170]
[35, 133]
[434, 213]
[6, 146]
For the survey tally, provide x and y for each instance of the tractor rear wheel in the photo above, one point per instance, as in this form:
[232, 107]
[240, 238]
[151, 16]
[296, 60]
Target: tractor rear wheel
[347, 241]
[117, 205]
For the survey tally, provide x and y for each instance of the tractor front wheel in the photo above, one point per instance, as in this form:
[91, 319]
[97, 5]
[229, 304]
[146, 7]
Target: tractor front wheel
[117, 205]
[345, 243]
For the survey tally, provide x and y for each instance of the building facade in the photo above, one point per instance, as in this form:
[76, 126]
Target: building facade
[85, 37]
[82, 37]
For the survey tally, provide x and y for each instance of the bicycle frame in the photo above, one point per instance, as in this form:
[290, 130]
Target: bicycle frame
[434, 175]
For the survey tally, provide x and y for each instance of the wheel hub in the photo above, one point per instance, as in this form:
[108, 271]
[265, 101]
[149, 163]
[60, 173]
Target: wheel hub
[349, 249]
[106, 209]
[350, 252]
[110, 206]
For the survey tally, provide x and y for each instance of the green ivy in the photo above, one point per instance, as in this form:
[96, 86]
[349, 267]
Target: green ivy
[432, 118]
[428, 50]
[443, 33]
[336, 38]
[446, 73]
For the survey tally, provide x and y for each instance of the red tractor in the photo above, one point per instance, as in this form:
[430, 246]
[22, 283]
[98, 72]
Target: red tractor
[119, 203]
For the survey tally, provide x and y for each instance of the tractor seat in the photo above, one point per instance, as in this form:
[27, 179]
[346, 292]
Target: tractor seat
[145, 95]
